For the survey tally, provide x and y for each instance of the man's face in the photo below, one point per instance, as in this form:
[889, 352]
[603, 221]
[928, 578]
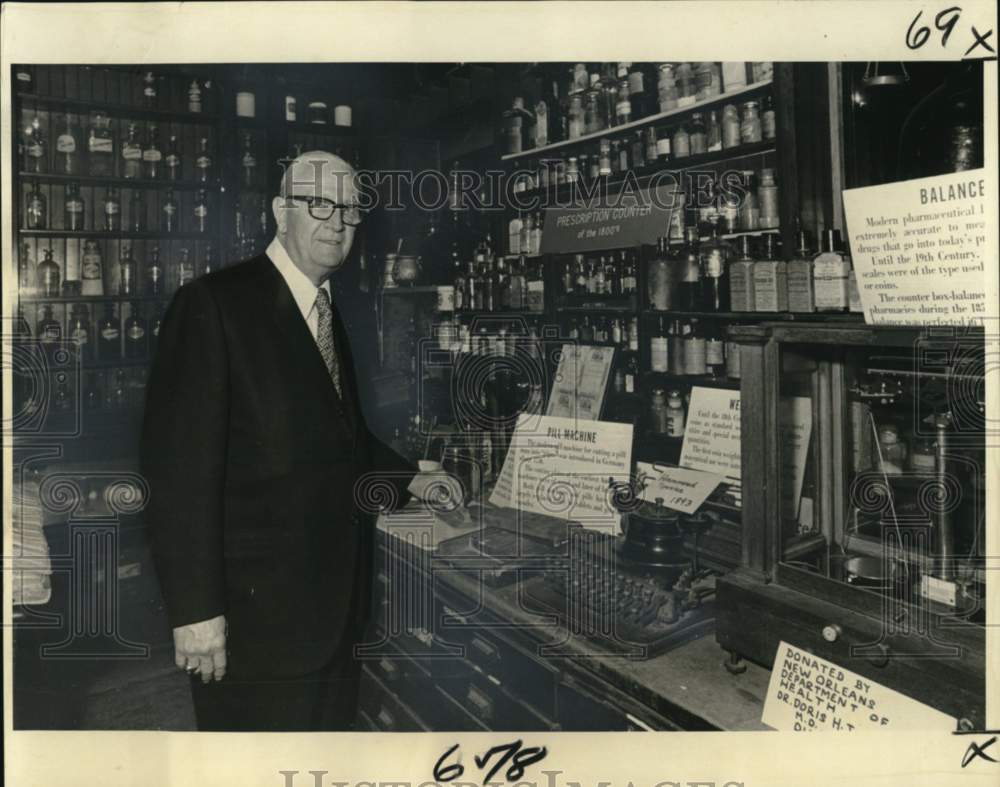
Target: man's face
[318, 246]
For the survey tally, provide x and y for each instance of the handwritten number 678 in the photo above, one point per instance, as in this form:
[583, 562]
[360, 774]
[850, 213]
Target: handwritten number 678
[518, 758]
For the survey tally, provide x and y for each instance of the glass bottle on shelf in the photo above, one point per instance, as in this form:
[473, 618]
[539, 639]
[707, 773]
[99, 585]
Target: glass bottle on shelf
[194, 96]
[155, 322]
[697, 135]
[593, 117]
[248, 162]
[514, 227]
[708, 208]
[168, 213]
[715, 350]
[26, 274]
[680, 142]
[659, 350]
[633, 335]
[741, 278]
[74, 208]
[48, 330]
[767, 197]
[658, 412]
[730, 127]
[185, 268]
[137, 211]
[209, 262]
[92, 392]
[708, 80]
[689, 289]
[132, 153]
[36, 209]
[101, 146]
[694, 350]
[135, 334]
[750, 125]
[800, 284]
[660, 277]
[631, 373]
[604, 161]
[148, 90]
[623, 104]
[667, 87]
[734, 76]
[638, 150]
[79, 330]
[535, 236]
[637, 93]
[112, 210]
[152, 156]
[714, 257]
[674, 416]
[68, 148]
[35, 148]
[576, 117]
[92, 269]
[749, 217]
[173, 159]
[49, 276]
[770, 277]
[203, 162]
[686, 87]
[127, 272]
[831, 270]
[201, 211]
[675, 349]
[154, 273]
[768, 122]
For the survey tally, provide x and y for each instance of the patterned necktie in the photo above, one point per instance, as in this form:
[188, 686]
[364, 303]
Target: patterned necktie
[324, 337]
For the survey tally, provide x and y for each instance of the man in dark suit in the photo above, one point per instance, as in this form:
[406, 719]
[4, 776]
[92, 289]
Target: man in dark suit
[253, 441]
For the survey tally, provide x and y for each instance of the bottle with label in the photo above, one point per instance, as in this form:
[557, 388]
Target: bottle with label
[768, 121]
[633, 335]
[127, 272]
[680, 142]
[658, 412]
[732, 360]
[694, 350]
[689, 289]
[101, 146]
[173, 159]
[660, 277]
[749, 211]
[203, 162]
[135, 333]
[714, 132]
[248, 162]
[714, 258]
[35, 148]
[517, 286]
[853, 295]
[132, 153]
[185, 268]
[154, 273]
[638, 150]
[750, 125]
[137, 211]
[152, 156]
[91, 269]
[697, 135]
[831, 271]
[800, 283]
[109, 347]
[514, 227]
[49, 276]
[675, 348]
[767, 199]
[74, 208]
[148, 90]
[201, 211]
[112, 210]
[730, 127]
[536, 289]
[715, 349]
[169, 213]
[604, 159]
[36, 209]
[79, 331]
[68, 148]
[48, 330]
[675, 418]
[659, 350]
[770, 277]
[631, 374]
[194, 96]
[535, 236]
[741, 282]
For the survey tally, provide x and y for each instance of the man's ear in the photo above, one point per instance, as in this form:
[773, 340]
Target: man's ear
[278, 208]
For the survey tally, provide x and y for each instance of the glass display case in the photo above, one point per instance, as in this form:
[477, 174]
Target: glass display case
[865, 543]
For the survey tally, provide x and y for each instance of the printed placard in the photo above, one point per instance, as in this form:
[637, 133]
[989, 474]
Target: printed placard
[680, 489]
[712, 434]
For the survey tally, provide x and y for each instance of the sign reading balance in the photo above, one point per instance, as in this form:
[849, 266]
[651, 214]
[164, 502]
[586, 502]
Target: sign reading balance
[595, 219]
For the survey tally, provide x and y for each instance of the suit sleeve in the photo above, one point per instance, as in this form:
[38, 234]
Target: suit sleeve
[183, 456]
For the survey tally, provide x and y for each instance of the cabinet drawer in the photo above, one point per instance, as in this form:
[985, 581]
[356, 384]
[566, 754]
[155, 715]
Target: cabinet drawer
[489, 703]
[384, 708]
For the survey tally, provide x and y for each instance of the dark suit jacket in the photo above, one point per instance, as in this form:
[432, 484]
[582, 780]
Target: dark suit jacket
[252, 459]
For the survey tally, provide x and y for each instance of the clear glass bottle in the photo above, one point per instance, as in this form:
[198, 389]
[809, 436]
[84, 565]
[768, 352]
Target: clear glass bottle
[127, 272]
[194, 96]
[831, 270]
[203, 162]
[169, 216]
[592, 114]
[666, 87]
[35, 148]
[248, 162]
[694, 350]
[697, 135]
[92, 269]
[201, 211]
[659, 349]
[101, 146]
[135, 333]
[770, 277]
[173, 159]
[675, 417]
[714, 133]
[112, 210]
[687, 88]
[109, 340]
[577, 119]
[767, 197]
[741, 287]
[137, 211]
[623, 105]
[152, 156]
[708, 80]
[731, 133]
[604, 161]
[652, 152]
[749, 217]
[154, 273]
[148, 90]
[800, 283]
[750, 125]
[68, 148]
[26, 274]
[689, 268]
[680, 142]
[714, 257]
[132, 153]
[49, 276]
[79, 331]
[658, 412]
[734, 76]
[185, 268]
[660, 277]
[74, 208]
[36, 208]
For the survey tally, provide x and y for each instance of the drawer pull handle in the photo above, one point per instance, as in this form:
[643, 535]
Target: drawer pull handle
[385, 719]
[482, 705]
[486, 649]
[390, 670]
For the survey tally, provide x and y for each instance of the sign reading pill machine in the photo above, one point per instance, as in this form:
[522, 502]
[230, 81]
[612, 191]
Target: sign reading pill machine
[920, 247]
[592, 222]
[810, 694]
[560, 467]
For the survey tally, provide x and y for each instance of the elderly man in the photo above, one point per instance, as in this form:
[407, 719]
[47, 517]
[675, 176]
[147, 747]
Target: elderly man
[252, 443]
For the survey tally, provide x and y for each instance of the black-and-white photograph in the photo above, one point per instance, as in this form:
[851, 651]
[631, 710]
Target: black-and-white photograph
[500, 396]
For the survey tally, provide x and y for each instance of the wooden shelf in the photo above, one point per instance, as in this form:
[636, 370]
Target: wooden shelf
[704, 380]
[85, 107]
[121, 183]
[701, 315]
[649, 120]
[92, 299]
[83, 234]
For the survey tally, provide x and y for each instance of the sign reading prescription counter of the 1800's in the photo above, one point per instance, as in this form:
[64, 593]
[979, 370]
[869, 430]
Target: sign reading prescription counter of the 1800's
[919, 249]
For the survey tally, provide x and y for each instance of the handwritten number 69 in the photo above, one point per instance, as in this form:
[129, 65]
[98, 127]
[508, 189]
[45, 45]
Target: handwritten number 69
[945, 21]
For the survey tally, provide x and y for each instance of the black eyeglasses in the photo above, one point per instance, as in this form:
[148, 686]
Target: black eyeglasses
[322, 209]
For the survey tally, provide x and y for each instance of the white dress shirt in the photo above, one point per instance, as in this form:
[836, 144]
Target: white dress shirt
[303, 290]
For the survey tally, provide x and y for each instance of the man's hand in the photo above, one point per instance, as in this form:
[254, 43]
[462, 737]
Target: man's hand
[201, 647]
